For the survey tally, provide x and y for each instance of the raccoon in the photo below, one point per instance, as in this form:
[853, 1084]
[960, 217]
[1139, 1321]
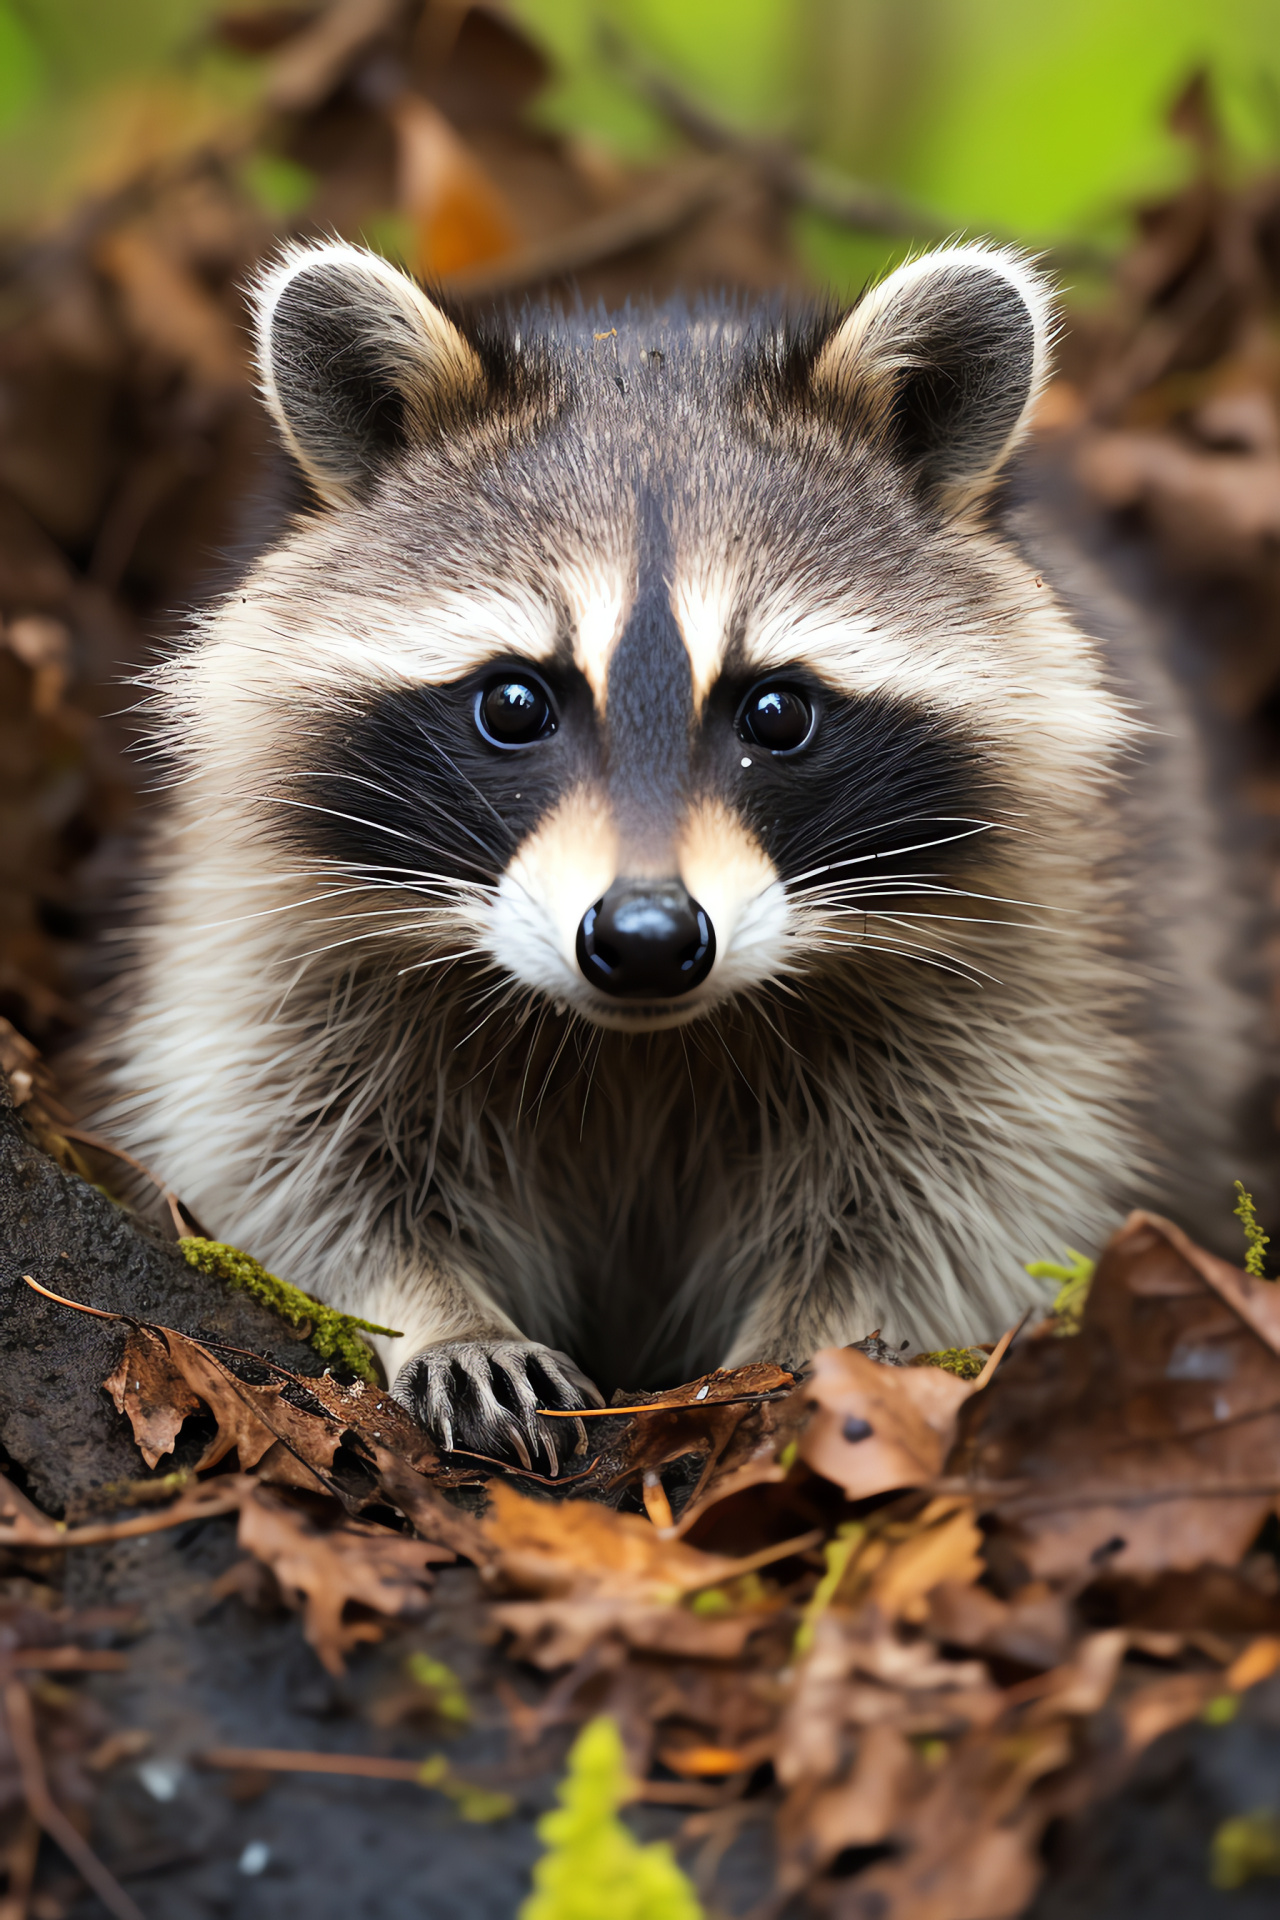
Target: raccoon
[650, 880]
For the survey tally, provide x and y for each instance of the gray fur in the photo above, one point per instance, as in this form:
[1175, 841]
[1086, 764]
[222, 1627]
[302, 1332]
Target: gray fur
[378, 1071]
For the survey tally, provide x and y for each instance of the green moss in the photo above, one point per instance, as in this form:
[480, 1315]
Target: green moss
[1256, 1241]
[480, 1805]
[1245, 1847]
[593, 1864]
[448, 1696]
[335, 1336]
[959, 1360]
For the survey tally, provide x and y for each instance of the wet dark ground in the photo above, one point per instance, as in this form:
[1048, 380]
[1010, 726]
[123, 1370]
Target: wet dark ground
[183, 1837]
[1145, 1854]
[192, 1843]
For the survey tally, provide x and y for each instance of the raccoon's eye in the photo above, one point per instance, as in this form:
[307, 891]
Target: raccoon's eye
[513, 711]
[779, 719]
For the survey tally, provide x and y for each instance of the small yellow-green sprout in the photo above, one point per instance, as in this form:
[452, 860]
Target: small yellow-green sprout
[594, 1866]
[1256, 1241]
[1074, 1280]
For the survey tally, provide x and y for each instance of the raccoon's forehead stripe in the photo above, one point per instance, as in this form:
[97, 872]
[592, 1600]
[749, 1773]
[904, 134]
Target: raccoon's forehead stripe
[649, 697]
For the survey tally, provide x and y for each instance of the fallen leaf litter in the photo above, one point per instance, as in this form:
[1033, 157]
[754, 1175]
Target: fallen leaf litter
[873, 1587]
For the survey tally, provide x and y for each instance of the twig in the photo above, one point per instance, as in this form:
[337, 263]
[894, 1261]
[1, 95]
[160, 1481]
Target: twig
[368, 1766]
[752, 1562]
[666, 1406]
[656, 1503]
[850, 203]
[65, 1660]
[999, 1351]
[198, 1503]
[365, 1766]
[1016, 1498]
[803, 182]
[686, 1793]
[44, 1808]
[312, 62]
[99, 1313]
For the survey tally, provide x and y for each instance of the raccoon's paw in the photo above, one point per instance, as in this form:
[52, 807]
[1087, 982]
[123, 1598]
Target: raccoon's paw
[483, 1396]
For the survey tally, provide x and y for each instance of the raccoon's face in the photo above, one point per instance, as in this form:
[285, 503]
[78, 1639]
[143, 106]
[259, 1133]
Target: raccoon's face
[651, 661]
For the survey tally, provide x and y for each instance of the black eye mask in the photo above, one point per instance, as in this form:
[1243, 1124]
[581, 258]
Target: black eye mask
[861, 788]
[421, 782]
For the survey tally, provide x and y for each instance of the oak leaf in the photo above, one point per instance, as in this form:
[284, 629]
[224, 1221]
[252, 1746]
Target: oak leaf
[322, 1568]
[153, 1393]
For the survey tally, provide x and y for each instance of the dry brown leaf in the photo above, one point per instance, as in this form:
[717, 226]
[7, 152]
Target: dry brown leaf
[577, 1547]
[1165, 1704]
[153, 1393]
[943, 1544]
[877, 1428]
[1258, 1662]
[967, 1839]
[432, 1516]
[1033, 1628]
[735, 1418]
[1151, 1440]
[287, 1427]
[1080, 1685]
[323, 1568]
[960, 1863]
[459, 216]
[860, 1672]
[254, 1418]
[860, 1811]
[382, 1424]
[559, 1633]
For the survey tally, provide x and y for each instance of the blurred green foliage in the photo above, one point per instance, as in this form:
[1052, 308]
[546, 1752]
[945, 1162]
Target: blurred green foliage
[92, 91]
[1043, 122]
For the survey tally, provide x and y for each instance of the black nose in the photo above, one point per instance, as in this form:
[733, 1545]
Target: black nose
[646, 940]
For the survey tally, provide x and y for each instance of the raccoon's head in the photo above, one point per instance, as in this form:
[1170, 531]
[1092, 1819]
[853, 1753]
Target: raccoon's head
[656, 658]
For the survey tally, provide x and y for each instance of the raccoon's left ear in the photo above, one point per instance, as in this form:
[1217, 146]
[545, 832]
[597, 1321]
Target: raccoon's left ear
[354, 362]
[942, 363]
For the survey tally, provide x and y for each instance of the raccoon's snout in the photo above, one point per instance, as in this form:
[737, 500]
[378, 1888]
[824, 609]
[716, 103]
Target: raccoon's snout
[646, 940]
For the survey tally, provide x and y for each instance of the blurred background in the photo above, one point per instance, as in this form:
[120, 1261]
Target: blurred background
[151, 151]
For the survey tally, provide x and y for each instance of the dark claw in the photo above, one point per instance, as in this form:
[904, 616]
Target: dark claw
[477, 1396]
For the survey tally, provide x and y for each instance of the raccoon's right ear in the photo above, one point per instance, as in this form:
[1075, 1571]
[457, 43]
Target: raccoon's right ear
[942, 363]
[354, 362]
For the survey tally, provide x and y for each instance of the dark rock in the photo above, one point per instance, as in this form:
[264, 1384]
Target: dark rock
[57, 1425]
